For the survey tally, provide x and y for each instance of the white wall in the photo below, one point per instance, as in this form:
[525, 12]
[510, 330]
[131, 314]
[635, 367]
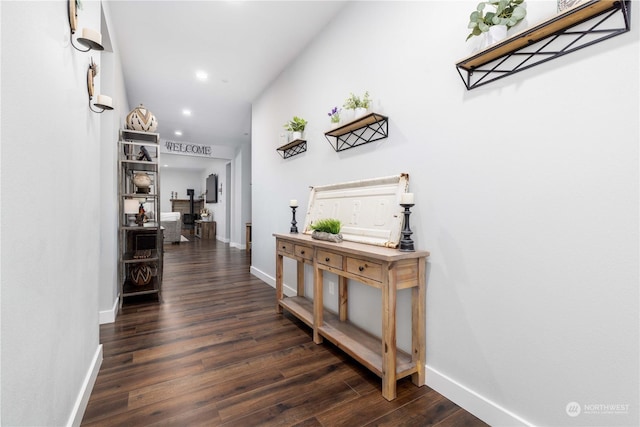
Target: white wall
[112, 84]
[51, 202]
[526, 195]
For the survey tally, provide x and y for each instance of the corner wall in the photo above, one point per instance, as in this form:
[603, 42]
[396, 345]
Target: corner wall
[526, 195]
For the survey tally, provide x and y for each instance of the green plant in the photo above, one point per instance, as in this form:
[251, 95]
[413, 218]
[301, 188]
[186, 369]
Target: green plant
[297, 124]
[507, 12]
[328, 225]
[354, 101]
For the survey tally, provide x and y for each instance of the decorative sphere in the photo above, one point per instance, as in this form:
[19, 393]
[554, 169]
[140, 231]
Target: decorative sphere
[141, 119]
[141, 274]
[141, 180]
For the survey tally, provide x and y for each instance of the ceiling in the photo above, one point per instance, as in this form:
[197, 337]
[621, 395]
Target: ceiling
[241, 46]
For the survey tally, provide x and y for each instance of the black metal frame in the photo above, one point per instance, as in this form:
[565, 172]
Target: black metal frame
[374, 127]
[524, 57]
[293, 148]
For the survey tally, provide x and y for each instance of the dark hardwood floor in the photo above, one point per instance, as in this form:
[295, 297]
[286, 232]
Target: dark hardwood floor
[215, 353]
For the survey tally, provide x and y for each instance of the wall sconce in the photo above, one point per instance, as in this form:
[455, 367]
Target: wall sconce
[90, 39]
[103, 102]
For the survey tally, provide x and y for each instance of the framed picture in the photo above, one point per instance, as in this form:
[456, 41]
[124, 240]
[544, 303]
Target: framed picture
[567, 4]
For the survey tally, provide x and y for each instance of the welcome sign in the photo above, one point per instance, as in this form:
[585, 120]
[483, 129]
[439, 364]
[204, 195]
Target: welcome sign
[186, 149]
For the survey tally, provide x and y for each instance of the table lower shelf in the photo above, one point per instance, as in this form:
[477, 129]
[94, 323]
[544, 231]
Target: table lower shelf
[357, 343]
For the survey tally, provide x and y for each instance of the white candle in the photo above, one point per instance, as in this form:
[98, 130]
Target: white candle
[104, 100]
[94, 36]
[406, 198]
[293, 203]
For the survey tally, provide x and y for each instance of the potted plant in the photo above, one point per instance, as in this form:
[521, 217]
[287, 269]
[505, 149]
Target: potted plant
[296, 126]
[334, 116]
[327, 229]
[503, 15]
[357, 104]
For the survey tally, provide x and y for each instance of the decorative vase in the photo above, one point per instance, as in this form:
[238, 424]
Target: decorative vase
[359, 112]
[296, 135]
[142, 181]
[140, 118]
[141, 274]
[334, 125]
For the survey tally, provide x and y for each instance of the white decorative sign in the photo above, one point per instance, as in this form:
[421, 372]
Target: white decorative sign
[186, 149]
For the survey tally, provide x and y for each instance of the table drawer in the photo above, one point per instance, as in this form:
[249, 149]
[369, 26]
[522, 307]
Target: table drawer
[329, 258]
[286, 247]
[364, 268]
[304, 252]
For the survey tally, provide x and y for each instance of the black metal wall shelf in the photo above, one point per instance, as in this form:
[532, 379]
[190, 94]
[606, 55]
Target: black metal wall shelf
[293, 148]
[369, 128]
[581, 26]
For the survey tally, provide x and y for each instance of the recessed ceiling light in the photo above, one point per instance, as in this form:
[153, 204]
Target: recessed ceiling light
[201, 75]
[178, 133]
[166, 166]
[186, 112]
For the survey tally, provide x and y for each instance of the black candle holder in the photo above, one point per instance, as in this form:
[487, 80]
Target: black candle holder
[406, 244]
[294, 229]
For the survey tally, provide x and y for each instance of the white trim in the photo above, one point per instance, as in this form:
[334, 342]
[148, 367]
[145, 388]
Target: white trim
[85, 391]
[271, 281]
[109, 316]
[483, 408]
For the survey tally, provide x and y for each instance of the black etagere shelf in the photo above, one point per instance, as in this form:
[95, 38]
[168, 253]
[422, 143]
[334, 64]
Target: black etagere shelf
[369, 128]
[581, 26]
[293, 148]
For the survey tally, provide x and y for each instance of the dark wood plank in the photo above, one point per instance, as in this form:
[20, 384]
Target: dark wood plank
[216, 353]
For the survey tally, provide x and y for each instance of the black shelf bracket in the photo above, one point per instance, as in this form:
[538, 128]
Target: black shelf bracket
[369, 128]
[293, 148]
[581, 26]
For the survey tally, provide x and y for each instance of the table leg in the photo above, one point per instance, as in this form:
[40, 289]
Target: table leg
[418, 325]
[389, 336]
[318, 304]
[300, 285]
[343, 295]
[279, 293]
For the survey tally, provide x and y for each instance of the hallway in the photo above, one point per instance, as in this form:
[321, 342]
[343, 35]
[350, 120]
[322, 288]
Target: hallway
[216, 353]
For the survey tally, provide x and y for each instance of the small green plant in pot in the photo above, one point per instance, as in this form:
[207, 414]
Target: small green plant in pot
[327, 229]
[296, 126]
[502, 12]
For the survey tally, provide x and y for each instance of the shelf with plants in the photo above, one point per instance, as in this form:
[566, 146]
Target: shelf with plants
[293, 148]
[583, 25]
[369, 128]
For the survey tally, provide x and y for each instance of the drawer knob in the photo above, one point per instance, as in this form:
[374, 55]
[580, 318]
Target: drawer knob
[302, 252]
[284, 247]
[361, 268]
[326, 259]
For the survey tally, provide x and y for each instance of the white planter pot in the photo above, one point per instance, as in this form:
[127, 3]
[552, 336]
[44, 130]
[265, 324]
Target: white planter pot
[496, 34]
[296, 135]
[347, 115]
[360, 112]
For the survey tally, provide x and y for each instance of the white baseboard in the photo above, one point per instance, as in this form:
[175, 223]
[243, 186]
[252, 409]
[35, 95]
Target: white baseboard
[481, 407]
[109, 316]
[271, 281]
[75, 419]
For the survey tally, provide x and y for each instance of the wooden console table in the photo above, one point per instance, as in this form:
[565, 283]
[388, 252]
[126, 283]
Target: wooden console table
[387, 269]
[205, 229]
